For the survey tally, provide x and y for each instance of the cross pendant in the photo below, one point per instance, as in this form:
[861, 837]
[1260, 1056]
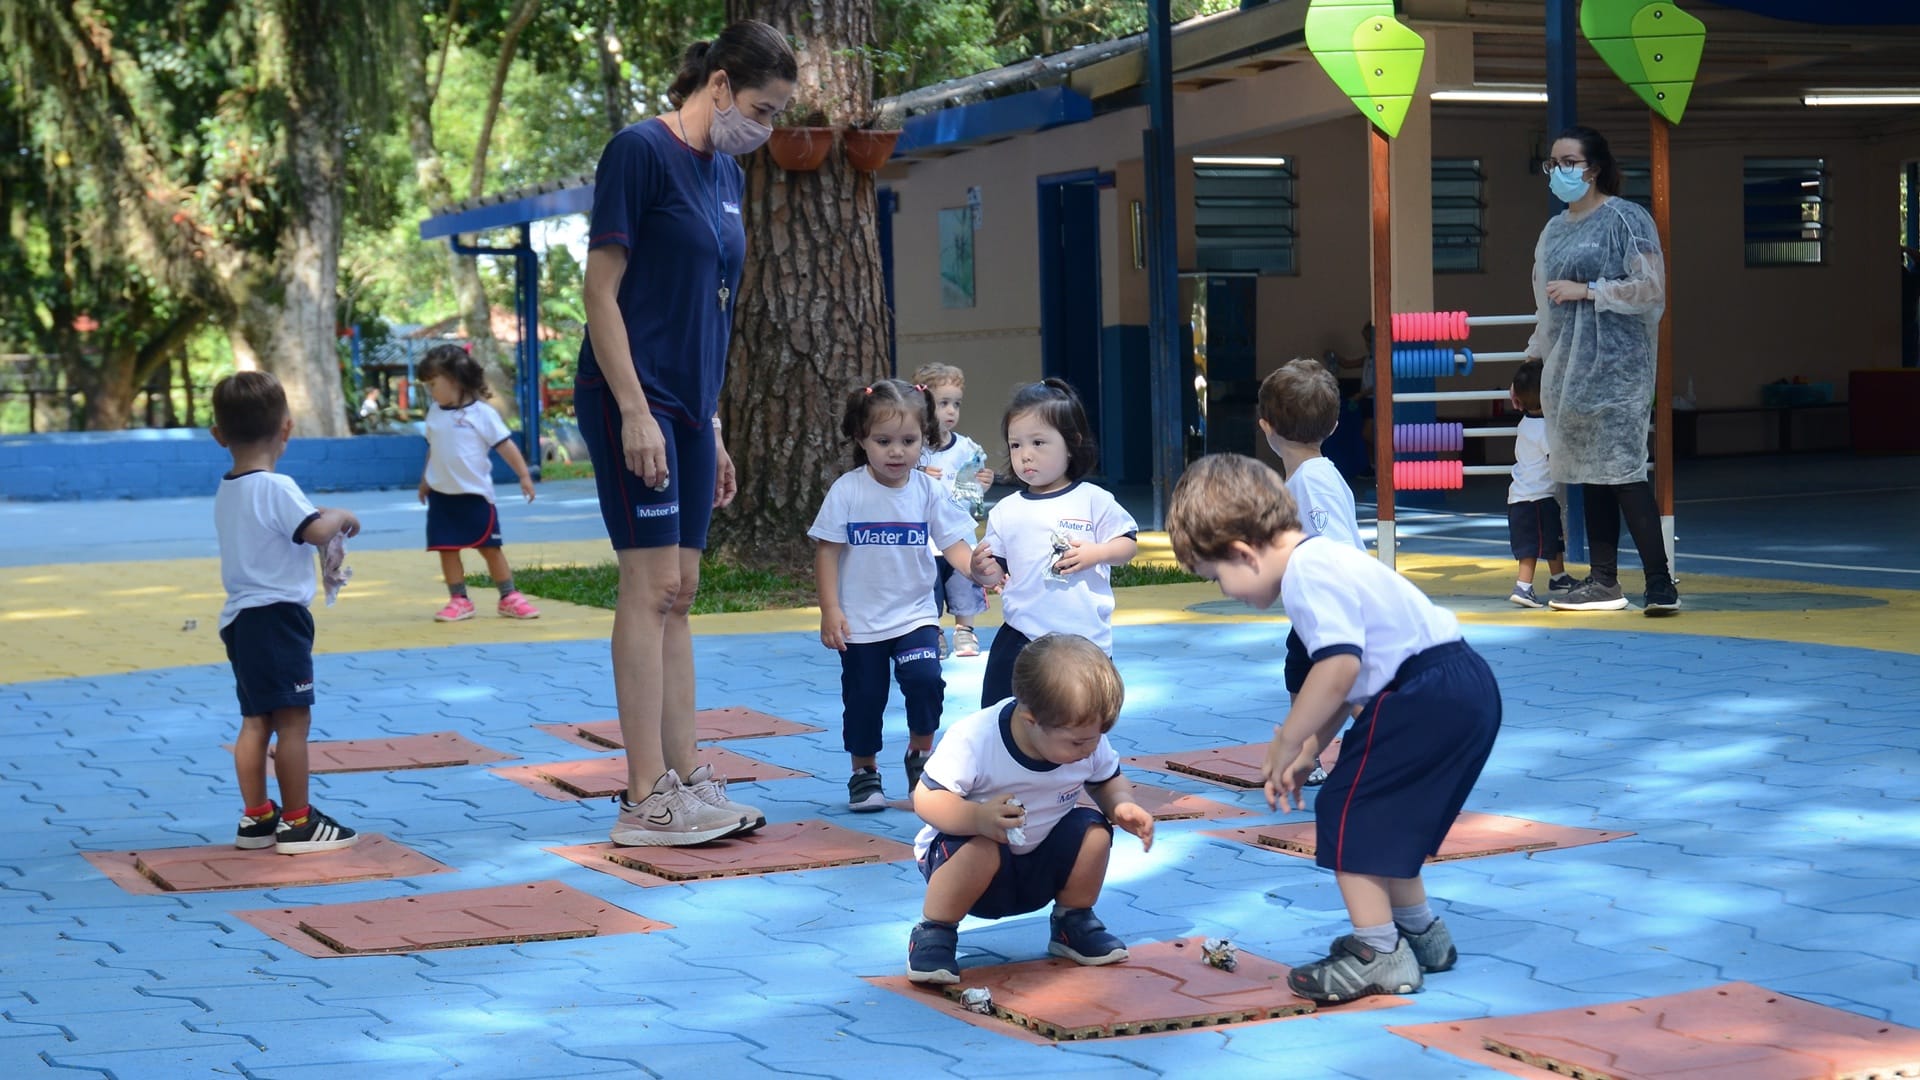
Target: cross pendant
[723, 294]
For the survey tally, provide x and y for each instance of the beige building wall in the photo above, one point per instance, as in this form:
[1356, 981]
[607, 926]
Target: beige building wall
[1735, 328]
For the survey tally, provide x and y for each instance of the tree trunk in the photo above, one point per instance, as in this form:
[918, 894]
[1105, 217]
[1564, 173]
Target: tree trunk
[614, 94]
[288, 312]
[811, 323]
[108, 387]
[429, 170]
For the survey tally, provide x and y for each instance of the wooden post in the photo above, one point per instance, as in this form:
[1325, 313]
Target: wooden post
[1379, 160]
[1659, 130]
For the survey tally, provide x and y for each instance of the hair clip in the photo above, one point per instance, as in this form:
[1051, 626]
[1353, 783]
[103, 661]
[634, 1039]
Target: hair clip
[922, 387]
[869, 390]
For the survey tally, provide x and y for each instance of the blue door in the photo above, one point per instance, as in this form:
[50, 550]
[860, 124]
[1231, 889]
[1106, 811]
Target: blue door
[1070, 285]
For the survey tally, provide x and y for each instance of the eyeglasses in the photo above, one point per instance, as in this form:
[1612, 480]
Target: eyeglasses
[1547, 166]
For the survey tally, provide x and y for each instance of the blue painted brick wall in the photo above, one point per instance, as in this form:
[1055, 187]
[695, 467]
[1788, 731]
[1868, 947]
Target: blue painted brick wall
[158, 464]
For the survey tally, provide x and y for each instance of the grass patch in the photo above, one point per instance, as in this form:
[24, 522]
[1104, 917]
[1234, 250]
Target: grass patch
[1139, 573]
[722, 587]
[732, 588]
[567, 470]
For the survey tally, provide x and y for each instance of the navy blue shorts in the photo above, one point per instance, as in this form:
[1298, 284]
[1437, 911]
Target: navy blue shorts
[636, 515]
[1533, 529]
[1025, 882]
[271, 649]
[1298, 663]
[456, 522]
[1407, 765]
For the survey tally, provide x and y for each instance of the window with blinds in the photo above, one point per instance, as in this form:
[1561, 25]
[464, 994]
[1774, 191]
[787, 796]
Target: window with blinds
[1786, 211]
[1459, 208]
[1243, 217]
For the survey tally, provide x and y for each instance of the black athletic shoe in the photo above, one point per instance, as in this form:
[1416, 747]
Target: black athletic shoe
[318, 833]
[257, 832]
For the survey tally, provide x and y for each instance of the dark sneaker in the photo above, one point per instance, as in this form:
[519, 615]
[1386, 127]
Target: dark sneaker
[1561, 583]
[318, 833]
[1590, 595]
[257, 832]
[671, 816]
[1433, 948]
[1663, 597]
[712, 790]
[1080, 936]
[865, 794]
[1354, 970]
[930, 954]
[916, 764]
[1523, 596]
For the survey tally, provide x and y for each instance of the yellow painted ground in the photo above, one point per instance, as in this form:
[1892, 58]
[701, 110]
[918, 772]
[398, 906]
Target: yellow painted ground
[76, 620]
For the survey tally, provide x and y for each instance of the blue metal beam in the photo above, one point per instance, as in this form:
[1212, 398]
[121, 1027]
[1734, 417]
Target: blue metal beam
[526, 303]
[1000, 118]
[1163, 263]
[573, 200]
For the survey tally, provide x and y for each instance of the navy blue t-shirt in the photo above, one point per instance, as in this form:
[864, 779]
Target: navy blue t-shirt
[677, 212]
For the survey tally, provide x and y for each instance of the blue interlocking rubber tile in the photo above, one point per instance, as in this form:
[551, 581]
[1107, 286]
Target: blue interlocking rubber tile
[1758, 858]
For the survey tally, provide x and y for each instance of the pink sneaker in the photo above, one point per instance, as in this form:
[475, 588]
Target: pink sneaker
[458, 608]
[514, 605]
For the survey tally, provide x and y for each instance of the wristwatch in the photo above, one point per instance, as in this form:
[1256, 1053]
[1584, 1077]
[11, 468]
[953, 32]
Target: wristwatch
[1593, 289]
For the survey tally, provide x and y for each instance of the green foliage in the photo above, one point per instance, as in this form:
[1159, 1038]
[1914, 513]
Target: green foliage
[722, 587]
[731, 588]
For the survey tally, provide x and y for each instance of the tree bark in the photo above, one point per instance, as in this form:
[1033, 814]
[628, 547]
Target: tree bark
[614, 95]
[429, 170]
[811, 323]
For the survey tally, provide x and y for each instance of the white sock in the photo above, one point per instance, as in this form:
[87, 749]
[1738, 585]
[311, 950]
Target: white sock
[1383, 939]
[1523, 585]
[1417, 919]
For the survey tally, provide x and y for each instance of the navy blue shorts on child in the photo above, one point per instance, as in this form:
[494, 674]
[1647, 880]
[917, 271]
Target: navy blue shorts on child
[456, 522]
[914, 660]
[271, 649]
[1025, 882]
[1533, 528]
[1407, 765]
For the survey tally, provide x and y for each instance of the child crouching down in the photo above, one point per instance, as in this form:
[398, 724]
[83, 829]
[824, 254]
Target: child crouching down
[1429, 712]
[1004, 834]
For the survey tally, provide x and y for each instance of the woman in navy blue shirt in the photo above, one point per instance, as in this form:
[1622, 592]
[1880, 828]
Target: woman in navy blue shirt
[666, 246]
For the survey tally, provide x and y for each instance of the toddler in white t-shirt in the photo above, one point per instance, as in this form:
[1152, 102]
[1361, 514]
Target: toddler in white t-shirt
[1429, 710]
[876, 583]
[1005, 833]
[1299, 408]
[960, 465]
[1051, 548]
[1533, 512]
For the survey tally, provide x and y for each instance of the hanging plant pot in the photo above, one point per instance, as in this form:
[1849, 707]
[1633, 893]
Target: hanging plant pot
[800, 149]
[868, 150]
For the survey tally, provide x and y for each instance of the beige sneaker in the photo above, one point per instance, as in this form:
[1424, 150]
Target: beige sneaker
[671, 816]
[712, 790]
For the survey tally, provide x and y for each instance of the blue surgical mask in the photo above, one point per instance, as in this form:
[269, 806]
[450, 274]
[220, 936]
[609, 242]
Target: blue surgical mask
[1568, 185]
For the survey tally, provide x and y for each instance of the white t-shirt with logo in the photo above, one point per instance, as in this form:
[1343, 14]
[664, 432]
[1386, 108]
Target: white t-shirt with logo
[1325, 502]
[1531, 479]
[459, 444]
[886, 581]
[978, 760]
[1021, 528]
[1342, 600]
[258, 517]
[953, 463]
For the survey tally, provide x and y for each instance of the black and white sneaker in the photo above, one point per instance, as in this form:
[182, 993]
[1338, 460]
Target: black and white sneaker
[318, 833]
[257, 832]
[865, 793]
[1590, 595]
